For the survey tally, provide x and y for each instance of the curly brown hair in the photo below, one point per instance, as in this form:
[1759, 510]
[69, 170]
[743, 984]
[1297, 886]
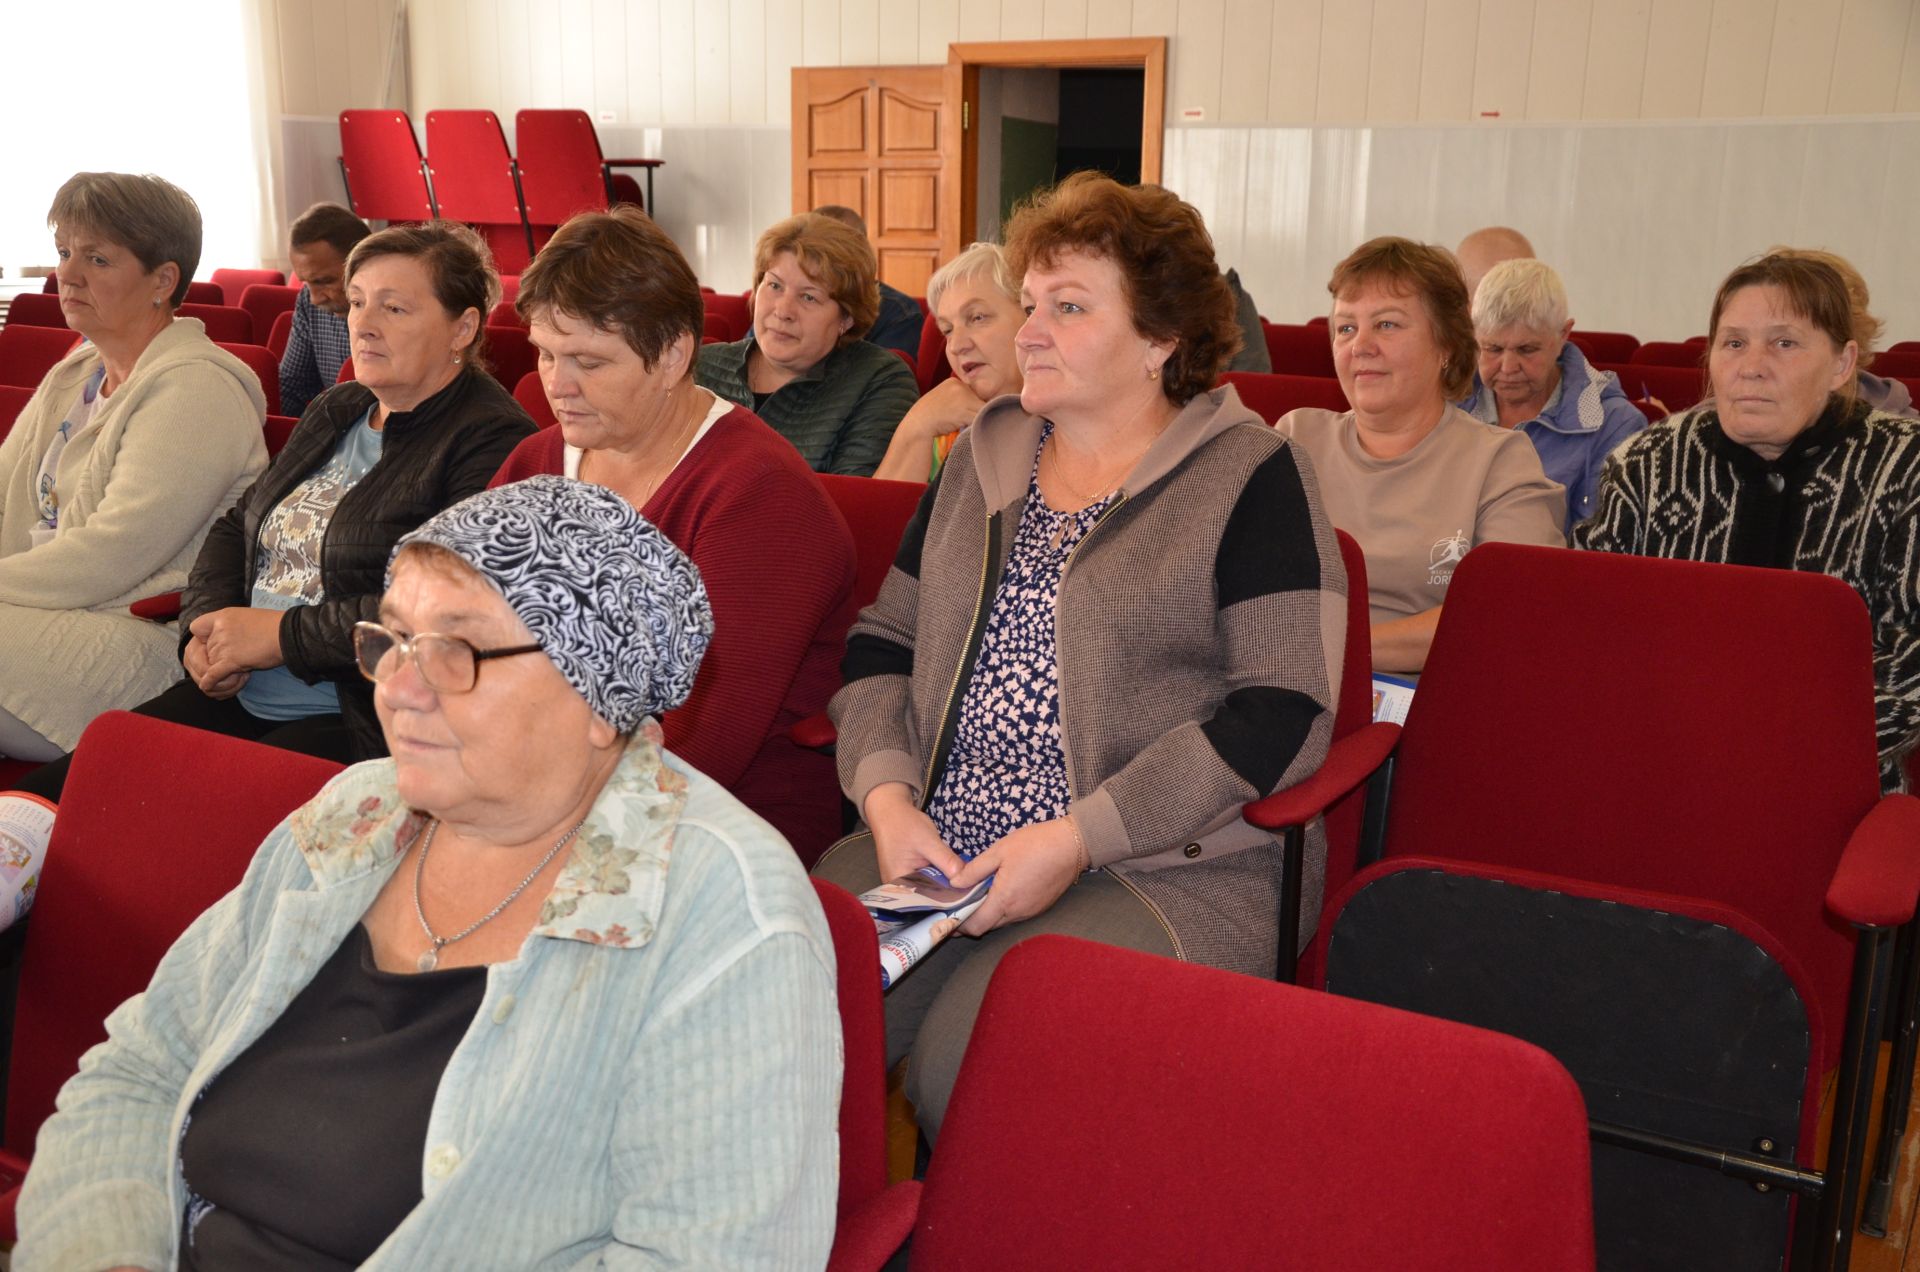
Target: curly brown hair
[617, 271]
[1174, 288]
[1432, 275]
[832, 255]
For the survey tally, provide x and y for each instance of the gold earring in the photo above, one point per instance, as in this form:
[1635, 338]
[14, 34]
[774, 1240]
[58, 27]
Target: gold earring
[1153, 373]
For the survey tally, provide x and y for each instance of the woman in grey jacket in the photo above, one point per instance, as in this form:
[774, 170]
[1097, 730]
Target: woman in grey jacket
[1117, 616]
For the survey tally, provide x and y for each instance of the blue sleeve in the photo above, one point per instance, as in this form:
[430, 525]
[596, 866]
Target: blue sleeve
[299, 376]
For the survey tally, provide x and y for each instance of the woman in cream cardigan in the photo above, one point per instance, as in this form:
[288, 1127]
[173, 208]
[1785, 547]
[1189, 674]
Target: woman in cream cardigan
[116, 466]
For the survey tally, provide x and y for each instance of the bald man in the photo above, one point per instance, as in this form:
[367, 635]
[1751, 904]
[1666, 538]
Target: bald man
[1481, 250]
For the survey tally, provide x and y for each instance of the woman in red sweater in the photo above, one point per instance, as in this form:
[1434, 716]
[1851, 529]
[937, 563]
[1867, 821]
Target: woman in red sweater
[616, 315]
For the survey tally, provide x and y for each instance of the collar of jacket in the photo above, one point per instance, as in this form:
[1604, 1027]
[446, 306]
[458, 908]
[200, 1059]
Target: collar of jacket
[183, 340]
[1812, 444]
[1582, 385]
[1005, 437]
[609, 891]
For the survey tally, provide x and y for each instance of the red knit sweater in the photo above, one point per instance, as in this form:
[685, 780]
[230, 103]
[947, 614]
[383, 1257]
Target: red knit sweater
[777, 560]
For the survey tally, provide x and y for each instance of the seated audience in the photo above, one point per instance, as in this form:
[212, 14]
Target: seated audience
[615, 312]
[1532, 378]
[319, 1076]
[804, 368]
[1481, 250]
[1092, 752]
[1418, 483]
[266, 621]
[1881, 394]
[132, 444]
[1787, 467]
[900, 319]
[976, 302]
[318, 346]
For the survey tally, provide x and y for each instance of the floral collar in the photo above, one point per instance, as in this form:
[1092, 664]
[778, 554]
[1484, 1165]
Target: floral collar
[610, 890]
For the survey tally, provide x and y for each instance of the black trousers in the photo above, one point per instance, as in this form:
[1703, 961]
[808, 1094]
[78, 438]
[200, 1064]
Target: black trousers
[323, 735]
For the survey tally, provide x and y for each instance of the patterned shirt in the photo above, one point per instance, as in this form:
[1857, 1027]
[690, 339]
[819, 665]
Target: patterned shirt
[46, 486]
[1007, 769]
[316, 350]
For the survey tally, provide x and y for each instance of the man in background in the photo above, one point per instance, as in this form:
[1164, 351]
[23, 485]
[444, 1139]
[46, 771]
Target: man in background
[318, 245]
[1481, 250]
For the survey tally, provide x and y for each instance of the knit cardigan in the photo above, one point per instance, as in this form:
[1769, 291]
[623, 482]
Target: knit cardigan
[839, 415]
[160, 459]
[778, 565]
[1199, 633]
[1844, 500]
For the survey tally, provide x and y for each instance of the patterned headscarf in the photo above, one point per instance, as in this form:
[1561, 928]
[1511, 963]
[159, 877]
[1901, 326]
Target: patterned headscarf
[620, 611]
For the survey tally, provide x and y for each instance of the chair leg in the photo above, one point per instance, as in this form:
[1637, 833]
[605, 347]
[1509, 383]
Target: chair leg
[1293, 851]
[1853, 1098]
[1893, 1113]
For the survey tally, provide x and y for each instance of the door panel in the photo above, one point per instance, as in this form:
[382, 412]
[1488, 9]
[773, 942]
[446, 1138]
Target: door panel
[872, 138]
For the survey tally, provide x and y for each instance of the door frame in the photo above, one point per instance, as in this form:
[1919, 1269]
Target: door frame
[964, 61]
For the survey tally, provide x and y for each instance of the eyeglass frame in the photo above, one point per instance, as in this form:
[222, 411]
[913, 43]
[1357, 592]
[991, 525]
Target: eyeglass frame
[406, 645]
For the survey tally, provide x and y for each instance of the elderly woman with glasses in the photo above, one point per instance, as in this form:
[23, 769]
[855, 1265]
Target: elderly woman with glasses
[460, 1012]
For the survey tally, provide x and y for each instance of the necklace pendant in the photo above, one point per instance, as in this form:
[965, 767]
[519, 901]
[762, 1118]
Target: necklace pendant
[429, 960]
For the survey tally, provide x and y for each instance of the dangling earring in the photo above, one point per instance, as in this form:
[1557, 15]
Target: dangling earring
[456, 357]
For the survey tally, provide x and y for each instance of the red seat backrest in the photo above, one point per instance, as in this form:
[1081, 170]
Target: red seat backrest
[1676, 387]
[560, 165]
[931, 366]
[511, 353]
[233, 283]
[1275, 1127]
[135, 854]
[1299, 350]
[528, 392]
[28, 353]
[877, 512]
[736, 310]
[1605, 346]
[224, 323]
[205, 294]
[1667, 353]
[264, 303]
[1904, 346]
[380, 158]
[504, 315]
[35, 309]
[473, 180]
[281, 335]
[1271, 396]
[278, 429]
[714, 327]
[1896, 364]
[863, 1086]
[264, 366]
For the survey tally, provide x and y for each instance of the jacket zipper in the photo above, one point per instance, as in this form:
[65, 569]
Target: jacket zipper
[943, 737]
[1066, 756]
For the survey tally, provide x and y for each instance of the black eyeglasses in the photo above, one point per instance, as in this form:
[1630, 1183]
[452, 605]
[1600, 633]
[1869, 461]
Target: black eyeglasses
[447, 663]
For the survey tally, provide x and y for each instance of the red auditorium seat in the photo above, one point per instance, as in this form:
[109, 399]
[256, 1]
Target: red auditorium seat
[346, 372]
[474, 181]
[264, 303]
[1299, 350]
[51, 283]
[380, 162]
[863, 1085]
[205, 294]
[13, 399]
[134, 854]
[35, 309]
[1271, 396]
[511, 354]
[528, 393]
[931, 366]
[233, 283]
[562, 170]
[281, 335]
[264, 366]
[509, 287]
[224, 323]
[1677, 388]
[1240, 1124]
[278, 429]
[504, 315]
[1896, 364]
[736, 310]
[1667, 353]
[1605, 346]
[1722, 880]
[28, 353]
[716, 328]
[1904, 346]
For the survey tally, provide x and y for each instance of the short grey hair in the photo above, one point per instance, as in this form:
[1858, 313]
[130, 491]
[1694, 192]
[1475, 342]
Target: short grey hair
[981, 258]
[1520, 293]
[152, 218]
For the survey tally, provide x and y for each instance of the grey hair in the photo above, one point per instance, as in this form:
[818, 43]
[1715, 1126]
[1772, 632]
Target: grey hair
[980, 258]
[147, 215]
[1520, 293]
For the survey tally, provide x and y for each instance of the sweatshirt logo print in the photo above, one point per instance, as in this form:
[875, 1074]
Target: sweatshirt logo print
[1446, 554]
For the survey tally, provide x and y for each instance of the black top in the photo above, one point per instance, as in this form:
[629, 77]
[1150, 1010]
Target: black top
[1773, 497]
[432, 457]
[305, 1151]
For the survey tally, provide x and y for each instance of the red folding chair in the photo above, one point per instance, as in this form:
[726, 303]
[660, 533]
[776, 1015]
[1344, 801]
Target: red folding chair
[28, 353]
[1299, 350]
[36, 309]
[51, 283]
[278, 429]
[133, 853]
[282, 334]
[529, 393]
[233, 283]
[1271, 396]
[931, 366]
[1676, 388]
[264, 303]
[1667, 353]
[735, 310]
[1904, 346]
[203, 293]
[504, 315]
[380, 163]
[1895, 364]
[224, 323]
[1695, 913]
[573, 175]
[511, 354]
[1605, 346]
[475, 180]
[264, 366]
[1120, 1111]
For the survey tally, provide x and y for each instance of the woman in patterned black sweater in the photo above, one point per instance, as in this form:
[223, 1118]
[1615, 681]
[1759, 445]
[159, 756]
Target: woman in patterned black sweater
[1786, 467]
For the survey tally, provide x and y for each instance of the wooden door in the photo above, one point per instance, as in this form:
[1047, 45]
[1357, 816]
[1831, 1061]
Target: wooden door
[870, 137]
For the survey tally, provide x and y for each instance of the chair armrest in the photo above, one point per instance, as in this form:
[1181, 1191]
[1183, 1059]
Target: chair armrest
[13, 1173]
[816, 732]
[633, 163]
[873, 1233]
[1350, 762]
[1878, 881]
[163, 608]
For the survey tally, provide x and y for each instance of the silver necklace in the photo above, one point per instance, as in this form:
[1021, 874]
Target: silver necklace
[431, 958]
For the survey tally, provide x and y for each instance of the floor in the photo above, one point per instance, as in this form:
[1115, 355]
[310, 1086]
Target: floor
[1897, 1252]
